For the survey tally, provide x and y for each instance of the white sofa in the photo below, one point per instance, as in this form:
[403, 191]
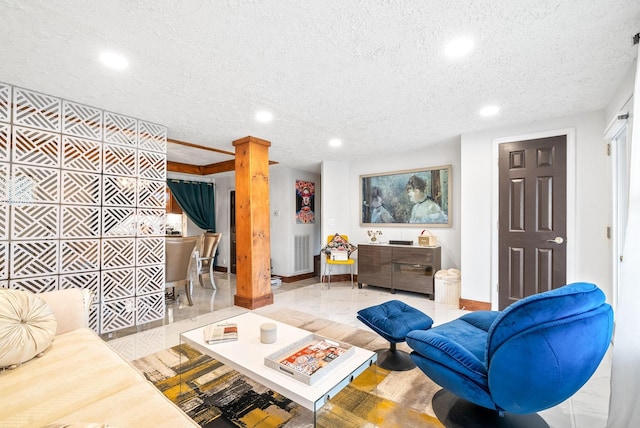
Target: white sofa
[80, 381]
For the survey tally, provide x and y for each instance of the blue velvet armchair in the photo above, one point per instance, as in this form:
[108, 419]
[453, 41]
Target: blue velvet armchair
[531, 356]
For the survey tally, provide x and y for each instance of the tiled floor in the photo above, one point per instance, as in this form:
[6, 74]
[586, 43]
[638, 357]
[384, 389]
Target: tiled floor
[586, 409]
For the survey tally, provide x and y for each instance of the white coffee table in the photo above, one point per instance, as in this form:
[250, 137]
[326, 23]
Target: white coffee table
[246, 355]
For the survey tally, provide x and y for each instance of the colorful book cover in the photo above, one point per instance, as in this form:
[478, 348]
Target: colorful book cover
[313, 357]
[218, 333]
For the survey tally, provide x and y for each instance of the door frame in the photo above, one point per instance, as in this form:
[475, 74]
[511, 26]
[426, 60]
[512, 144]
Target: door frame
[619, 125]
[571, 202]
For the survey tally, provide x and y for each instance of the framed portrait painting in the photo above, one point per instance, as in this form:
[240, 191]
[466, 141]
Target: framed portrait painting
[419, 197]
[305, 205]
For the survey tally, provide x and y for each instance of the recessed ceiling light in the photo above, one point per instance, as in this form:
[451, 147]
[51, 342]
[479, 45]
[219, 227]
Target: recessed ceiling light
[114, 60]
[264, 116]
[335, 142]
[489, 111]
[459, 47]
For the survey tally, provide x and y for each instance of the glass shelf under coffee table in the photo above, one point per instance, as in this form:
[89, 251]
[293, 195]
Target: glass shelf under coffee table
[247, 354]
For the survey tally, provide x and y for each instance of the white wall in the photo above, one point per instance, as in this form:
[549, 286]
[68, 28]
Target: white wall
[283, 219]
[591, 249]
[283, 226]
[623, 93]
[429, 156]
[338, 192]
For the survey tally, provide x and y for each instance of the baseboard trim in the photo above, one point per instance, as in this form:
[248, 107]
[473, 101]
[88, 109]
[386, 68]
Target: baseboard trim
[474, 305]
[340, 277]
[295, 278]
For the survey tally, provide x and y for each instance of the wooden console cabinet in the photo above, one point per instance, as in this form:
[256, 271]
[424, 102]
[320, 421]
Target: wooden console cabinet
[398, 267]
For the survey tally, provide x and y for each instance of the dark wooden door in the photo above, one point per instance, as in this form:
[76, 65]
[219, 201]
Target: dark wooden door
[532, 217]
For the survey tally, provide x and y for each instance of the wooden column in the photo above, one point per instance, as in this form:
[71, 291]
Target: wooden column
[253, 247]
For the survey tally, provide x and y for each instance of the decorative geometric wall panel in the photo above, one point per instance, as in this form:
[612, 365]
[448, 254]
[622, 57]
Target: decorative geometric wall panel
[117, 315]
[81, 188]
[149, 251]
[30, 184]
[4, 182]
[118, 160]
[152, 194]
[36, 147]
[152, 137]
[120, 129]
[118, 191]
[33, 259]
[36, 110]
[79, 256]
[4, 221]
[150, 308]
[35, 284]
[5, 138]
[152, 165]
[82, 120]
[118, 253]
[4, 199]
[151, 222]
[94, 318]
[18, 189]
[36, 221]
[80, 222]
[118, 222]
[150, 279]
[75, 197]
[84, 280]
[81, 155]
[5, 102]
[117, 284]
[4, 260]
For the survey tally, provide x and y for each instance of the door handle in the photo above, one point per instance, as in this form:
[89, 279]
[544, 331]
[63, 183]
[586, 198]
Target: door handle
[556, 240]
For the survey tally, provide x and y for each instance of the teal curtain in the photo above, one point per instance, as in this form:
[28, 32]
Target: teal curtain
[197, 200]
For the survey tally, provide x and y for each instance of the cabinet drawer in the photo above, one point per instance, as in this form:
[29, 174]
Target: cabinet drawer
[413, 277]
[412, 269]
[414, 255]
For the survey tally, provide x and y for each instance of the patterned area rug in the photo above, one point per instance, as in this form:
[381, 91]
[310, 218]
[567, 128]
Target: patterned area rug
[214, 395]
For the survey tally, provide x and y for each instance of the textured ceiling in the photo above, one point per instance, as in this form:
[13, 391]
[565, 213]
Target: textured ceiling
[371, 72]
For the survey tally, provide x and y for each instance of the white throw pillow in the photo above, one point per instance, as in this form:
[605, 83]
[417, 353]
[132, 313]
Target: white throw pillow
[27, 327]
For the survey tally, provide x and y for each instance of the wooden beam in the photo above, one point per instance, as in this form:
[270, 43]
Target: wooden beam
[196, 146]
[253, 255]
[184, 168]
[215, 168]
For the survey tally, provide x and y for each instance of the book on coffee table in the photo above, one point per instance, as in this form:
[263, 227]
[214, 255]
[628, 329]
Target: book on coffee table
[219, 333]
[310, 358]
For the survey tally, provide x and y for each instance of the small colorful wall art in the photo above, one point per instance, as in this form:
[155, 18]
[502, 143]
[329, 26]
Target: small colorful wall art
[305, 191]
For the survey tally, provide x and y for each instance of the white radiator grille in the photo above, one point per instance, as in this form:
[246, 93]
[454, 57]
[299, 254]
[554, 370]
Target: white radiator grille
[302, 253]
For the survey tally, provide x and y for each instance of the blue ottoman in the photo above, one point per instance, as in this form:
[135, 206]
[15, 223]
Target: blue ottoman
[393, 320]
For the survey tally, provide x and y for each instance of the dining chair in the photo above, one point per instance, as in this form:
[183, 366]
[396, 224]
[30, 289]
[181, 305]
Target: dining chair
[178, 254]
[207, 255]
